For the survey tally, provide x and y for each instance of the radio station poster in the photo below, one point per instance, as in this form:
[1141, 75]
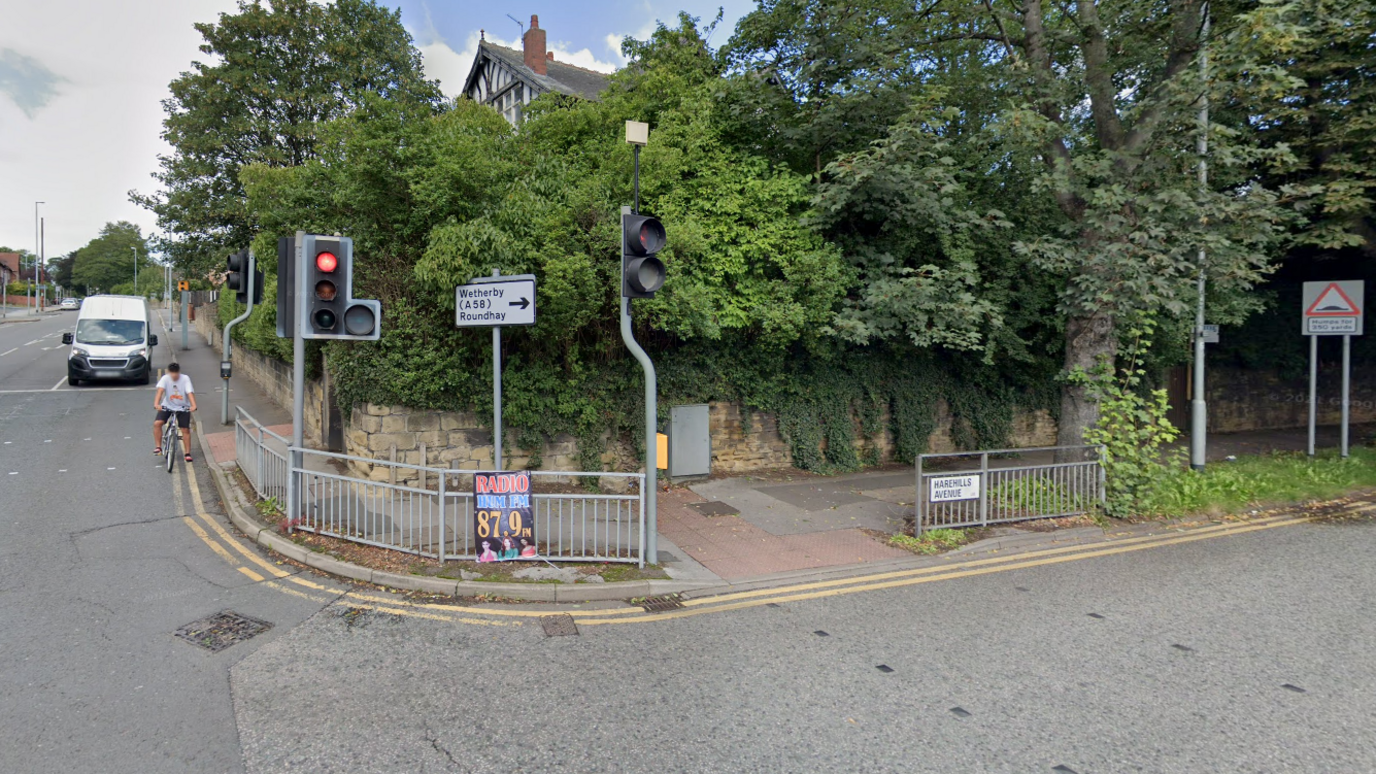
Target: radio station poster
[502, 520]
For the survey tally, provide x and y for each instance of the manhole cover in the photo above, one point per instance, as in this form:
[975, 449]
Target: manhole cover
[713, 508]
[221, 630]
[659, 604]
[559, 625]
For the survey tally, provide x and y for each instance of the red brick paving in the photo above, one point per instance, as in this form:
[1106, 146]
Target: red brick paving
[733, 548]
[222, 443]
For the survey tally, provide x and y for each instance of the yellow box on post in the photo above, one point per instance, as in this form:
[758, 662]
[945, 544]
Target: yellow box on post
[661, 451]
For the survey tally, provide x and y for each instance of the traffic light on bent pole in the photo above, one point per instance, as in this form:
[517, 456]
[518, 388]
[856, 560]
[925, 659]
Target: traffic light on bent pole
[642, 271]
[235, 278]
[325, 289]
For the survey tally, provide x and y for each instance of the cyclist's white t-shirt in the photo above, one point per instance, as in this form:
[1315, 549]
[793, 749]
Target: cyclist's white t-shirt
[176, 392]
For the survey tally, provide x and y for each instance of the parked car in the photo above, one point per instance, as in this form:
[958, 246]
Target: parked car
[69, 304]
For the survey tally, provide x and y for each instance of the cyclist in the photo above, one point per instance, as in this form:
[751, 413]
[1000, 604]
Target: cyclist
[175, 399]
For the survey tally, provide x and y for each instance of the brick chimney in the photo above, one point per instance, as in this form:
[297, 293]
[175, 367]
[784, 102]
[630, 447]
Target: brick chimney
[533, 43]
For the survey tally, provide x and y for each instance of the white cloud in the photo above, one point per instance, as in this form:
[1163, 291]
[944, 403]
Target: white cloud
[99, 134]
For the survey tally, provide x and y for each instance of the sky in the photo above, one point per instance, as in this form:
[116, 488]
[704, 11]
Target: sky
[82, 82]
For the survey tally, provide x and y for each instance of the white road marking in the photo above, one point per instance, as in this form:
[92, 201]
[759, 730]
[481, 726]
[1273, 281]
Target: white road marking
[48, 441]
[109, 468]
[59, 383]
[64, 470]
[50, 390]
[14, 473]
[6, 352]
[35, 341]
[85, 439]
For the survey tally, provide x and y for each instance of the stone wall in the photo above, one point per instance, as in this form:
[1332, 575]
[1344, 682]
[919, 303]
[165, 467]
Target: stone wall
[1258, 400]
[270, 374]
[742, 441]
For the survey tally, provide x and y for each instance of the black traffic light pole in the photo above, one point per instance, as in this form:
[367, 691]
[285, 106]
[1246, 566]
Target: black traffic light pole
[248, 276]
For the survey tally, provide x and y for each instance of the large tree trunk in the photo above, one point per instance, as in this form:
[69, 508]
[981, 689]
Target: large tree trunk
[1088, 340]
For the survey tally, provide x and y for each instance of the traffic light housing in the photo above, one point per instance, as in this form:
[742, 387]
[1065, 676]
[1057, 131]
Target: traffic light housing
[286, 287]
[642, 271]
[327, 308]
[236, 278]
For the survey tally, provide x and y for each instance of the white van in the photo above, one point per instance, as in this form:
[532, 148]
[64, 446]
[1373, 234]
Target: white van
[111, 341]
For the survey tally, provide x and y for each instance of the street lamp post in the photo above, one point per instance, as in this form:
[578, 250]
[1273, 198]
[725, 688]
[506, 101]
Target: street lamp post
[28, 286]
[136, 268]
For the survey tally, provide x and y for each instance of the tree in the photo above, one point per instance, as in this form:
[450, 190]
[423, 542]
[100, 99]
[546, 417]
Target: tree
[60, 269]
[281, 69]
[109, 259]
[1088, 108]
[1316, 61]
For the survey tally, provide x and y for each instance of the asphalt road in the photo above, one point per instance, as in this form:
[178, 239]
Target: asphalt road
[1243, 653]
[1184, 669]
[98, 569]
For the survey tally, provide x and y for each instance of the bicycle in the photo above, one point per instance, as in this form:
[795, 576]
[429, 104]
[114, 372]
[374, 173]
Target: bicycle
[171, 439]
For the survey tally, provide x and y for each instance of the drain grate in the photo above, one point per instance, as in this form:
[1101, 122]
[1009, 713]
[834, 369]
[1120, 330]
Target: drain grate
[661, 603]
[221, 630]
[559, 625]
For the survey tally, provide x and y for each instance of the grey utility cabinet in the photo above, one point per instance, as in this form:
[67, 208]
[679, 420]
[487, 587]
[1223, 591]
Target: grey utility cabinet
[690, 441]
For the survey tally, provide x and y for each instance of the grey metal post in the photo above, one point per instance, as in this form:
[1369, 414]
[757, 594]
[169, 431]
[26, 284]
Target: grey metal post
[298, 390]
[136, 269]
[1347, 390]
[1313, 389]
[651, 423]
[443, 481]
[497, 390]
[984, 488]
[224, 399]
[186, 301]
[1199, 417]
[921, 511]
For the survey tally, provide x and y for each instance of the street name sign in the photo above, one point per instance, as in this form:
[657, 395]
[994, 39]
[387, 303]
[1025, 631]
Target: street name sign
[949, 488]
[1334, 308]
[495, 301]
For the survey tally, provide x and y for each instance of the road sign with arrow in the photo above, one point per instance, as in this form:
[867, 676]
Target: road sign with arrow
[500, 301]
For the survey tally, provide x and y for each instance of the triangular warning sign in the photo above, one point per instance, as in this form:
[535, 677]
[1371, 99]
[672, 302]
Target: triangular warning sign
[1333, 302]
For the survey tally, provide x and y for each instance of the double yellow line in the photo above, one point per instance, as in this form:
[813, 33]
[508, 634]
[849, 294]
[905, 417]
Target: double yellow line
[270, 575]
[260, 570]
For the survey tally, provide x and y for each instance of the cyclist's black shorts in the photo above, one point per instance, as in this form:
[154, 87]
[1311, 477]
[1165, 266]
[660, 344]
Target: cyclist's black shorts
[183, 417]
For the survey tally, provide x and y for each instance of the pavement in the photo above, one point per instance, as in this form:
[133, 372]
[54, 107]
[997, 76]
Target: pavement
[718, 535]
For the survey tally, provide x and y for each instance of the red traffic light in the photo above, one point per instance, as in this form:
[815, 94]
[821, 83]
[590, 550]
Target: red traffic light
[326, 262]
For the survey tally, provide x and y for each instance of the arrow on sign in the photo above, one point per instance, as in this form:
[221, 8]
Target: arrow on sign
[523, 303]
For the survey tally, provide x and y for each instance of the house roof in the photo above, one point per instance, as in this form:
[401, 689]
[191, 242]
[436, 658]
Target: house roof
[563, 78]
[10, 261]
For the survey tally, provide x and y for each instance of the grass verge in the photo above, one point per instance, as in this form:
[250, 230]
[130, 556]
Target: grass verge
[931, 542]
[1247, 482]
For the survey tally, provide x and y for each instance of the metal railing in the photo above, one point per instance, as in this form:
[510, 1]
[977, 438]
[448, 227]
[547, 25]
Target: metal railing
[262, 457]
[977, 493]
[429, 511]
